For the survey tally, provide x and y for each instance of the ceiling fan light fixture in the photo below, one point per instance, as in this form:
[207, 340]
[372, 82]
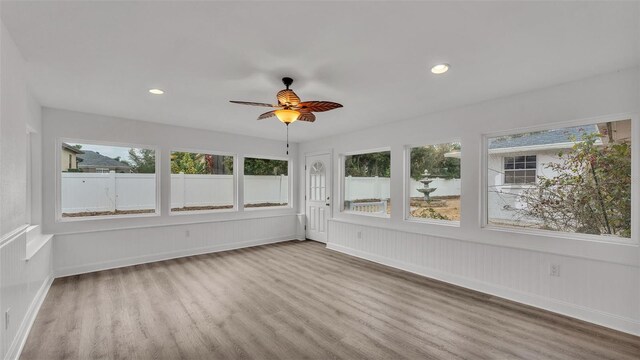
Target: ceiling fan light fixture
[440, 68]
[287, 116]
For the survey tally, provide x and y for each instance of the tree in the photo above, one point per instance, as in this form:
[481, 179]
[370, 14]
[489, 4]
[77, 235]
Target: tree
[195, 163]
[432, 158]
[187, 163]
[142, 160]
[368, 165]
[590, 191]
[255, 166]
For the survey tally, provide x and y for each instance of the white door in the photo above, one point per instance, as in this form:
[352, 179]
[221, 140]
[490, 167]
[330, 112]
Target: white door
[318, 196]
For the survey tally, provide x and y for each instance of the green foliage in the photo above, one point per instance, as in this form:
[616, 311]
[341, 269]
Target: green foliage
[142, 161]
[432, 158]
[590, 191]
[432, 214]
[194, 163]
[188, 163]
[255, 166]
[368, 165]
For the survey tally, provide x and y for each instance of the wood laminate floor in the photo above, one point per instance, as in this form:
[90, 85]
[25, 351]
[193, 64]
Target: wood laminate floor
[297, 300]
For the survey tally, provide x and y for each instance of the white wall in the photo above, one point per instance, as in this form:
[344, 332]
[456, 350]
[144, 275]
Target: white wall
[85, 252]
[513, 265]
[130, 240]
[24, 275]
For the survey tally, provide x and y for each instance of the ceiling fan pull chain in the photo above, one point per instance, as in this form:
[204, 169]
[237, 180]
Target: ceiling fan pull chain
[287, 139]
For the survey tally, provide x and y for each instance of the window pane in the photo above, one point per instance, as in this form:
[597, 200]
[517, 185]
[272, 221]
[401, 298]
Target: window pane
[435, 181]
[104, 180]
[266, 182]
[509, 177]
[367, 183]
[201, 182]
[578, 182]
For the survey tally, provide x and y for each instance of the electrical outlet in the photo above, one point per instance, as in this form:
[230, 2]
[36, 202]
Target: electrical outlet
[7, 317]
[554, 270]
[359, 234]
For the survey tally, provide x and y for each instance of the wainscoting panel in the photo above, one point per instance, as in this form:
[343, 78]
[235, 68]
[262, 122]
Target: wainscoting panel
[603, 293]
[23, 286]
[92, 251]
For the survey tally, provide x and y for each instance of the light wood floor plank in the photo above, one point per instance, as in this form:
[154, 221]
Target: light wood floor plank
[297, 300]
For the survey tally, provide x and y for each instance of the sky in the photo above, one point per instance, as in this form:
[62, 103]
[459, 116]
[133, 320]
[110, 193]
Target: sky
[106, 150]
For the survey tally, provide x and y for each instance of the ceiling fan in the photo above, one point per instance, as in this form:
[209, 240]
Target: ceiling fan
[289, 107]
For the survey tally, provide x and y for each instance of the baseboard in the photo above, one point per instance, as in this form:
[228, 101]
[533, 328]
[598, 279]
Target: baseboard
[15, 349]
[137, 260]
[627, 325]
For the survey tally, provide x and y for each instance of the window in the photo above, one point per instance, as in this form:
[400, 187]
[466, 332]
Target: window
[266, 182]
[434, 182]
[317, 182]
[201, 182]
[106, 180]
[367, 183]
[571, 179]
[520, 169]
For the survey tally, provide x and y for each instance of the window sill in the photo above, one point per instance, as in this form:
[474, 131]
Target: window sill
[259, 208]
[104, 217]
[362, 213]
[36, 240]
[450, 223]
[199, 212]
[563, 235]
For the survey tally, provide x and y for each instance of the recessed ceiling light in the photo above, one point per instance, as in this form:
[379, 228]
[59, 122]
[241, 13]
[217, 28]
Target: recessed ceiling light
[156, 91]
[440, 68]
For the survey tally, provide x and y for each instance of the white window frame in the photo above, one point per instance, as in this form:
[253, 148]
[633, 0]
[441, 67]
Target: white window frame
[58, 179]
[635, 185]
[342, 172]
[504, 171]
[290, 191]
[407, 186]
[235, 181]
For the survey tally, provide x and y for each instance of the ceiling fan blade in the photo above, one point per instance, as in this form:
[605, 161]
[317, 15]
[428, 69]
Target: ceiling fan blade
[307, 116]
[254, 104]
[288, 97]
[318, 106]
[267, 115]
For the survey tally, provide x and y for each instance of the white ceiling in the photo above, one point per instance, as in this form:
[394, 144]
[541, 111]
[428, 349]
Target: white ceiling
[374, 58]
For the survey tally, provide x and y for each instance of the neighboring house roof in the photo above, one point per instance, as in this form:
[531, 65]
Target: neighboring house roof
[536, 141]
[92, 159]
[73, 149]
[549, 137]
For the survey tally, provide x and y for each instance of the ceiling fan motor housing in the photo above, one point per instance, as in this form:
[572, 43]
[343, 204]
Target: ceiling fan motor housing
[287, 81]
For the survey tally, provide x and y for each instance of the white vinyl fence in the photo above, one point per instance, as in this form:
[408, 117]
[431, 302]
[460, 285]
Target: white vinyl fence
[361, 188]
[107, 192]
[110, 191]
[84, 192]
